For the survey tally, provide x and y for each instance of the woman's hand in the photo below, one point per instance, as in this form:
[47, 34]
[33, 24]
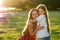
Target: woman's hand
[40, 28]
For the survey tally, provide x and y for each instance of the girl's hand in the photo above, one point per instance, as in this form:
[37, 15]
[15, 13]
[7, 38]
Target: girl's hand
[40, 28]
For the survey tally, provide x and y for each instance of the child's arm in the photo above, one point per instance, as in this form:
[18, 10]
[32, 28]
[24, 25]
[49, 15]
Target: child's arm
[40, 25]
[30, 29]
[39, 18]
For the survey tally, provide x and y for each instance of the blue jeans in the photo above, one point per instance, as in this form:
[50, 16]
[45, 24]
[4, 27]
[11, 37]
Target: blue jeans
[46, 38]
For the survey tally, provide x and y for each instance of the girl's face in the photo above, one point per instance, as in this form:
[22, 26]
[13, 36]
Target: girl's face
[34, 14]
[41, 11]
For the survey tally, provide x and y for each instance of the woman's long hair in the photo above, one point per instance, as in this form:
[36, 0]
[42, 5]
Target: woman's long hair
[42, 6]
[28, 20]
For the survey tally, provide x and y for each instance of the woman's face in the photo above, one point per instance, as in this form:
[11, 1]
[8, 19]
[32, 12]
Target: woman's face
[41, 11]
[34, 14]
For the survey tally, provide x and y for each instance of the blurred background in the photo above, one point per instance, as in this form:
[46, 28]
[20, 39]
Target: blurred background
[14, 13]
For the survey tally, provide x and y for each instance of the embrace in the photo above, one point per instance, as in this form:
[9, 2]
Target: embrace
[37, 26]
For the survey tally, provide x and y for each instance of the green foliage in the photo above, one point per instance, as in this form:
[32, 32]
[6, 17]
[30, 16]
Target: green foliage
[28, 4]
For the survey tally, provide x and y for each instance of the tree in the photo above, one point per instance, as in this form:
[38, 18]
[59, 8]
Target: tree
[28, 4]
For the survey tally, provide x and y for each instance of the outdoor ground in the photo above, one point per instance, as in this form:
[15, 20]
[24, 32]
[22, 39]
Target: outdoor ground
[15, 24]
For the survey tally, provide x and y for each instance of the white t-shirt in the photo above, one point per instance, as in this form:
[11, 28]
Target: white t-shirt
[42, 22]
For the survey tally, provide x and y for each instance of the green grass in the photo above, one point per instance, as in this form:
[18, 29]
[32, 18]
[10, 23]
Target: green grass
[15, 24]
[55, 25]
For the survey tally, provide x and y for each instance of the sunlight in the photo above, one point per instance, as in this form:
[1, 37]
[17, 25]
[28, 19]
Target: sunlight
[2, 8]
[1, 15]
[1, 2]
[10, 8]
[5, 9]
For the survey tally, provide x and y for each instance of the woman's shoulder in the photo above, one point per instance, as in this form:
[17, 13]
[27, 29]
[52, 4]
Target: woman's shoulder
[29, 25]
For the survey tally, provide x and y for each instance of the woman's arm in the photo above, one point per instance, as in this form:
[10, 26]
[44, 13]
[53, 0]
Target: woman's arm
[30, 29]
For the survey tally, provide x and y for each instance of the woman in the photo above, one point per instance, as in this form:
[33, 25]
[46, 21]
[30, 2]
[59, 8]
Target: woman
[30, 30]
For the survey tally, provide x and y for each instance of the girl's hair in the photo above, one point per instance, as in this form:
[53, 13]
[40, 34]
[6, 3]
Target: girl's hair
[42, 6]
[28, 20]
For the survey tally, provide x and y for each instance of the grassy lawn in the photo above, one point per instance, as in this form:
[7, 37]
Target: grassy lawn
[15, 24]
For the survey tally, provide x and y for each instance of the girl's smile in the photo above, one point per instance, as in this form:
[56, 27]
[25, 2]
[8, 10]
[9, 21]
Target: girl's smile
[41, 11]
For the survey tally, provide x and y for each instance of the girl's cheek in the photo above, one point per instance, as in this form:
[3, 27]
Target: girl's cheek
[32, 16]
[43, 11]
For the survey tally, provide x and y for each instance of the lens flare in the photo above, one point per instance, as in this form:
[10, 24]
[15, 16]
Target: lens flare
[1, 3]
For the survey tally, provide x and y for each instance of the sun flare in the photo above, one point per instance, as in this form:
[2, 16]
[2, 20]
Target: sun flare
[1, 2]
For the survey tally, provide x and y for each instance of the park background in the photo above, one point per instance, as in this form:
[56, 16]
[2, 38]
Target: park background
[14, 13]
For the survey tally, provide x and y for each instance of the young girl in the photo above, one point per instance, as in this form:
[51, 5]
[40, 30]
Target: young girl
[43, 21]
[30, 30]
